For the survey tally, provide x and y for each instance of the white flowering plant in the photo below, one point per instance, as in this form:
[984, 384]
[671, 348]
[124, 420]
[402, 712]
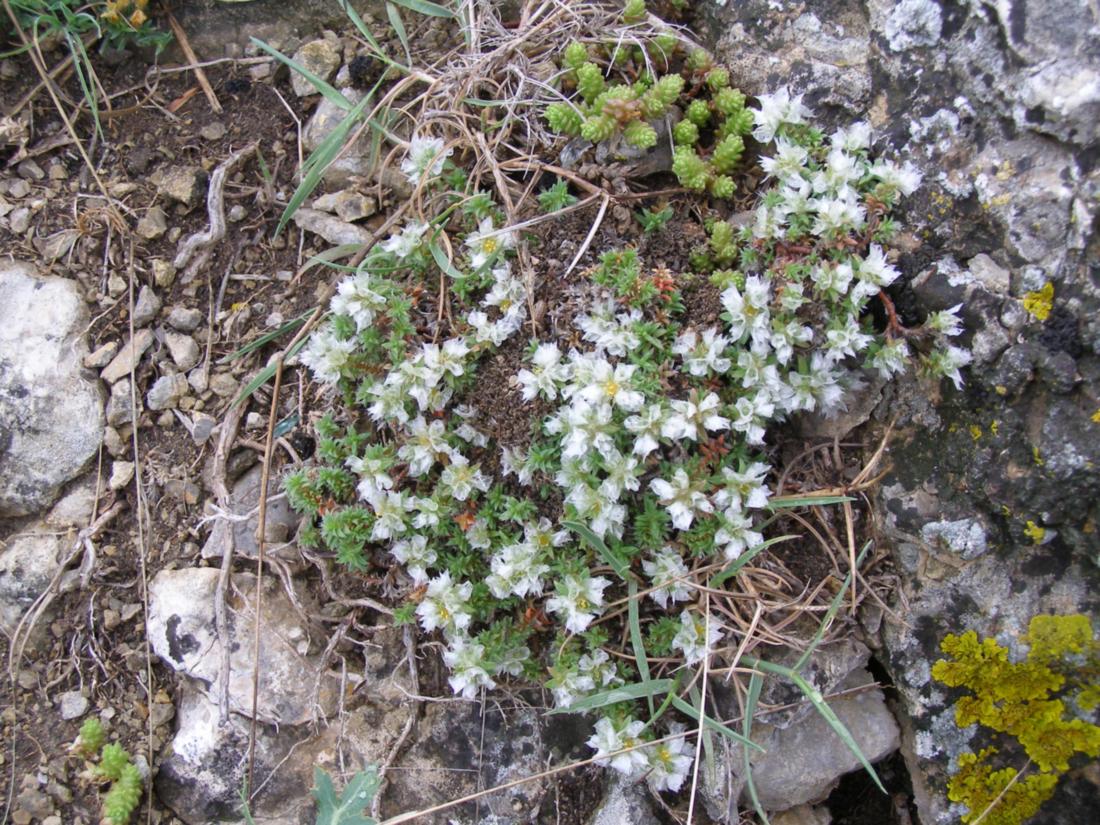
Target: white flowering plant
[581, 558]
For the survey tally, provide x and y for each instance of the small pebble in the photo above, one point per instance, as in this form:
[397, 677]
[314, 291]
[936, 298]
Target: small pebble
[146, 307]
[102, 356]
[122, 473]
[213, 131]
[74, 704]
[111, 619]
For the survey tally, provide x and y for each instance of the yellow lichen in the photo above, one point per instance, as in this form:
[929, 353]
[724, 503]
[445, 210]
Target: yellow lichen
[1035, 532]
[1022, 700]
[975, 432]
[1040, 303]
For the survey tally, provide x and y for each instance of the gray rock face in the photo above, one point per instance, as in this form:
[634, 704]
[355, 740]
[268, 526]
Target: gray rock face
[279, 524]
[182, 631]
[625, 802]
[332, 229]
[803, 759]
[51, 417]
[995, 493]
[217, 29]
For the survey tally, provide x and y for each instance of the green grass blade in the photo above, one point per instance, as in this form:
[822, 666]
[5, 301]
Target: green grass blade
[713, 725]
[621, 568]
[375, 46]
[399, 28]
[787, 502]
[266, 374]
[267, 338]
[329, 92]
[736, 565]
[636, 637]
[755, 684]
[626, 693]
[440, 258]
[424, 7]
[319, 161]
[830, 614]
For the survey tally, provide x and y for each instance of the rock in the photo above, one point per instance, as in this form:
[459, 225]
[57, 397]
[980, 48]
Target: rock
[348, 205]
[164, 274]
[146, 306]
[201, 776]
[185, 319]
[355, 159]
[128, 357]
[19, 221]
[102, 356]
[30, 170]
[803, 758]
[116, 446]
[511, 745]
[19, 188]
[625, 802]
[202, 427]
[122, 473]
[120, 407]
[181, 628]
[333, 230]
[152, 224]
[281, 521]
[803, 815]
[184, 350]
[183, 184]
[224, 385]
[213, 131]
[321, 57]
[27, 565]
[166, 392]
[74, 704]
[51, 418]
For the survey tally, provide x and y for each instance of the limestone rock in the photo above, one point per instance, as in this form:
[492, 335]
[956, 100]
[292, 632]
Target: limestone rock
[183, 349]
[333, 230]
[146, 306]
[293, 689]
[51, 418]
[166, 392]
[185, 319]
[625, 802]
[348, 205]
[280, 522]
[321, 57]
[128, 357]
[183, 184]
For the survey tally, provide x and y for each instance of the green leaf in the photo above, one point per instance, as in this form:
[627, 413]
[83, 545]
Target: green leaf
[787, 502]
[617, 564]
[376, 47]
[755, 684]
[636, 637]
[348, 807]
[265, 375]
[440, 258]
[330, 92]
[626, 693]
[267, 337]
[399, 28]
[713, 725]
[424, 7]
[743, 559]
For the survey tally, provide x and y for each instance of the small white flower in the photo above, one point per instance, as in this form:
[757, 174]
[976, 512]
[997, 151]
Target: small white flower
[445, 605]
[373, 476]
[737, 535]
[587, 427]
[486, 243]
[845, 338]
[947, 363]
[547, 373]
[466, 660]
[744, 490]
[460, 478]
[578, 599]
[326, 355]
[405, 242]
[428, 512]
[646, 426]
[669, 762]
[610, 738]
[514, 461]
[611, 333]
[695, 639]
[516, 571]
[426, 444]
[389, 514]
[355, 298]
[946, 322]
[610, 385]
[682, 498]
[426, 155]
[789, 161]
[748, 311]
[751, 414]
[417, 557]
[669, 574]
[852, 139]
[905, 179]
[775, 110]
[692, 420]
[622, 474]
[702, 357]
[890, 359]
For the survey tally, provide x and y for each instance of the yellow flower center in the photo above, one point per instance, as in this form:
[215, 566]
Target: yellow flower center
[582, 603]
[611, 388]
[490, 245]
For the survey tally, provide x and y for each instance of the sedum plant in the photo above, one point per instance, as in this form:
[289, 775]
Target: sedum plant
[645, 465]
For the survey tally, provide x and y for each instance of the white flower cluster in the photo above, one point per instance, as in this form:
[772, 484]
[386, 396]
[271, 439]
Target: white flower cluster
[618, 744]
